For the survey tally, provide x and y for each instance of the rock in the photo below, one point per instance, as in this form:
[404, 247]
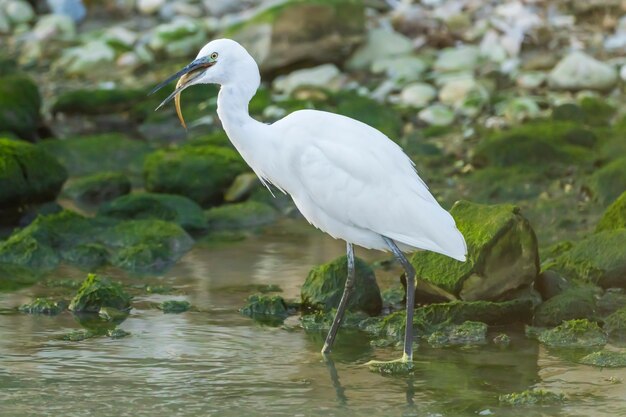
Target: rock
[120, 38]
[180, 38]
[367, 110]
[605, 359]
[464, 58]
[174, 306]
[574, 334]
[598, 259]
[614, 216]
[519, 109]
[149, 6]
[265, 305]
[579, 71]
[550, 284]
[54, 27]
[169, 207]
[400, 69]
[117, 333]
[28, 175]
[96, 189]
[146, 245]
[112, 314]
[213, 169]
[96, 292]
[502, 340]
[320, 321]
[597, 111]
[502, 252]
[324, 286]
[92, 58]
[466, 334]
[304, 31]
[100, 101]
[612, 300]
[20, 103]
[242, 187]
[531, 397]
[573, 303]
[74, 9]
[531, 80]
[609, 182]
[43, 306]
[14, 277]
[437, 115]
[454, 92]
[79, 335]
[615, 325]
[248, 214]
[326, 76]
[379, 44]
[418, 95]
[87, 256]
[19, 11]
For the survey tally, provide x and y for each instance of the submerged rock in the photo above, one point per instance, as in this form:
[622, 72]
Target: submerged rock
[174, 306]
[117, 333]
[169, 207]
[20, 104]
[573, 303]
[467, 333]
[321, 321]
[605, 359]
[96, 189]
[580, 333]
[579, 71]
[531, 397]
[265, 306]
[44, 306]
[502, 254]
[614, 216]
[324, 286]
[96, 292]
[79, 335]
[248, 214]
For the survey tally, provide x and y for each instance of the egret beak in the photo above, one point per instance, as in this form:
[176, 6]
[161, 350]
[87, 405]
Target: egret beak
[187, 75]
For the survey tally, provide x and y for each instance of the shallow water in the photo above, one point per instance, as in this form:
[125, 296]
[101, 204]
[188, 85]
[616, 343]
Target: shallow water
[215, 362]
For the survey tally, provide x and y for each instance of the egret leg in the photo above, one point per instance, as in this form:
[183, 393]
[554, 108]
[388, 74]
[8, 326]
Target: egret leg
[410, 298]
[343, 303]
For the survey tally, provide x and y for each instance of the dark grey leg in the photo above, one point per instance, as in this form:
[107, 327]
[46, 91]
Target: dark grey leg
[410, 298]
[341, 309]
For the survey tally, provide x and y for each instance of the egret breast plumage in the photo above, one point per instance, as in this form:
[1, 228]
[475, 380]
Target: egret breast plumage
[346, 178]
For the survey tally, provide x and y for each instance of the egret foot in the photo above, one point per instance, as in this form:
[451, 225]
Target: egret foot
[402, 366]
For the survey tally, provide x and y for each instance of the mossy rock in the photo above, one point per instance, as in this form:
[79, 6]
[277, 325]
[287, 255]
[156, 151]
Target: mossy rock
[87, 256]
[93, 190]
[248, 214]
[79, 335]
[202, 173]
[614, 216]
[599, 258]
[13, 277]
[382, 117]
[605, 359]
[615, 324]
[597, 111]
[321, 321]
[505, 184]
[20, 103]
[466, 334]
[325, 283]
[86, 155]
[502, 254]
[263, 306]
[550, 284]
[28, 175]
[174, 306]
[573, 303]
[146, 245]
[531, 397]
[612, 300]
[97, 101]
[169, 207]
[580, 333]
[96, 292]
[609, 182]
[44, 306]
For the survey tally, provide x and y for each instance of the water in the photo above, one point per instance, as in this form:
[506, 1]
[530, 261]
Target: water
[214, 362]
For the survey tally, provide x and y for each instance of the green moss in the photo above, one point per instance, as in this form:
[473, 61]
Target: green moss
[202, 173]
[467, 333]
[27, 174]
[19, 106]
[43, 306]
[569, 112]
[580, 333]
[614, 216]
[499, 184]
[240, 215]
[174, 208]
[609, 182]
[88, 256]
[13, 277]
[573, 303]
[531, 397]
[174, 306]
[501, 247]
[260, 305]
[325, 283]
[597, 111]
[615, 324]
[79, 335]
[97, 101]
[382, 117]
[98, 188]
[605, 359]
[97, 292]
[321, 321]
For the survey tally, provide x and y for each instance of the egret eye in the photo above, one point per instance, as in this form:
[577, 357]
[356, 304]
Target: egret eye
[214, 55]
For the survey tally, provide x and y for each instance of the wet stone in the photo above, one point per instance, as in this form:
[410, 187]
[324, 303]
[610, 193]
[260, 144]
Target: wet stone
[79, 335]
[44, 306]
[573, 303]
[574, 334]
[605, 359]
[174, 306]
[531, 397]
[117, 333]
[465, 334]
[265, 305]
[97, 292]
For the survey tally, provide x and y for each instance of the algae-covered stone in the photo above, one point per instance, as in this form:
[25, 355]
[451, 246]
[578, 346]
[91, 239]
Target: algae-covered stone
[174, 306]
[580, 333]
[98, 188]
[531, 397]
[615, 324]
[19, 106]
[502, 339]
[502, 253]
[322, 320]
[202, 173]
[609, 182]
[13, 277]
[265, 305]
[605, 359]
[240, 215]
[614, 216]
[169, 207]
[97, 101]
[79, 335]
[597, 111]
[147, 245]
[599, 258]
[97, 292]
[325, 283]
[573, 303]
[112, 314]
[612, 300]
[467, 333]
[27, 175]
[44, 306]
[117, 333]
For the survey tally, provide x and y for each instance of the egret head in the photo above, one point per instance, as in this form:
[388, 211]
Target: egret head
[222, 61]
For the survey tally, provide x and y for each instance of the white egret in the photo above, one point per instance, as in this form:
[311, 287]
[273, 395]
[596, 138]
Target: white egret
[347, 178]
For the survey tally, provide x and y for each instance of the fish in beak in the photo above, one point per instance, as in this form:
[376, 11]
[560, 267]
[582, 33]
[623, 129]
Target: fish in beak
[192, 71]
